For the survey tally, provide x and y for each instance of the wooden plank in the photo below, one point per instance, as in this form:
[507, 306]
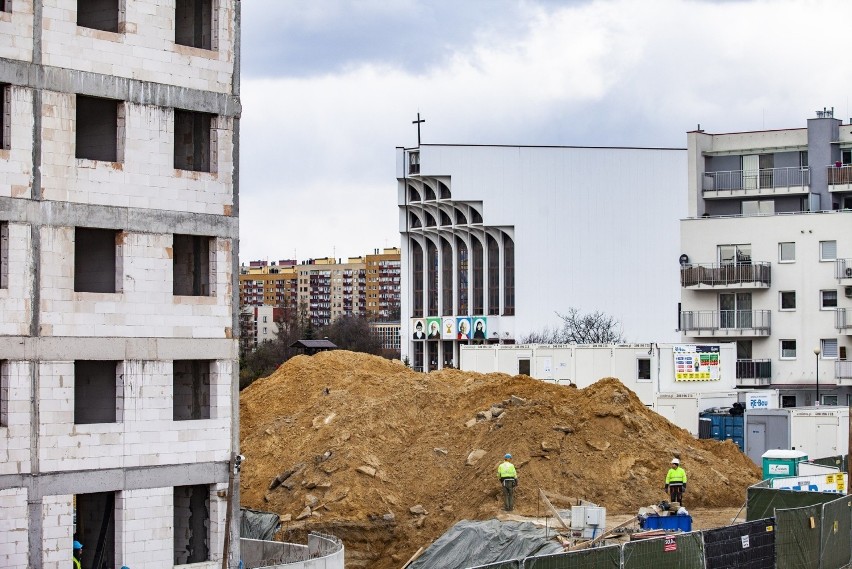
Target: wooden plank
[413, 557]
[601, 537]
[552, 509]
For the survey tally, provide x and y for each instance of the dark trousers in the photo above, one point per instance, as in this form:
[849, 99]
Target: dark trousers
[509, 492]
[676, 493]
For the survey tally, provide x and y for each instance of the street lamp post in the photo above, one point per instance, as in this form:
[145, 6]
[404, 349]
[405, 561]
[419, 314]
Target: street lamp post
[816, 353]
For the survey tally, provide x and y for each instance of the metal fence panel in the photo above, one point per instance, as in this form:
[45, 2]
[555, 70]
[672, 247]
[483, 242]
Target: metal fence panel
[797, 538]
[836, 538]
[762, 502]
[669, 552]
[747, 546]
[599, 558]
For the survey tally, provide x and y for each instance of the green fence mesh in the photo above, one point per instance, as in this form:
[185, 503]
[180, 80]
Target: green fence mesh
[797, 537]
[670, 552]
[600, 558]
[840, 461]
[836, 535]
[762, 502]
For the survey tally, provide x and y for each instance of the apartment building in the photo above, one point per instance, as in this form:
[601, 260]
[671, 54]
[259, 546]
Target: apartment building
[766, 255]
[271, 284]
[382, 284]
[258, 324]
[118, 264]
[497, 239]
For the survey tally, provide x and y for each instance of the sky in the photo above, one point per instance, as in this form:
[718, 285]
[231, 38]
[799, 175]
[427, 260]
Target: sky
[330, 88]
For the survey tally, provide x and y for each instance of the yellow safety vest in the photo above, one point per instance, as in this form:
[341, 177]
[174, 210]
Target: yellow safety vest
[76, 563]
[507, 470]
[676, 476]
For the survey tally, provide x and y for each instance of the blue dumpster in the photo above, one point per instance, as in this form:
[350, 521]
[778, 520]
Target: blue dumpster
[677, 522]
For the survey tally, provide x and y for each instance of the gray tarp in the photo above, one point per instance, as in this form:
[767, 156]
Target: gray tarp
[258, 525]
[469, 543]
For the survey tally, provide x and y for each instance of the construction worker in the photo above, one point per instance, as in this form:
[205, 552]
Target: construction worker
[676, 482]
[78, 554]
[508, 480]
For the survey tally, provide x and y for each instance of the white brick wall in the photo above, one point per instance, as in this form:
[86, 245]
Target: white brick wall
[146, 307]
[16, 163]
[57, 532]
[15, 303]
[146, 178]
[14, 547]
[146, 437]
[145, 50]
[16, 32]
[15, 440]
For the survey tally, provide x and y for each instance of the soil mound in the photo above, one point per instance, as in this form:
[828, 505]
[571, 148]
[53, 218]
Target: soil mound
[389, 459]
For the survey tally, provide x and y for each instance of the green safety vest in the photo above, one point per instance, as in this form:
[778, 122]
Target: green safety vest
[676, 476]
[507, 470]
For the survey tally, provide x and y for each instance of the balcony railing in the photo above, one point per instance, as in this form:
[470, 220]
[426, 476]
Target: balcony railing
[842, 369]
[754, 369]
[839, 175]
[763, 179]
[841, 319]
[843, 269]
[724, 275]
[713, 320]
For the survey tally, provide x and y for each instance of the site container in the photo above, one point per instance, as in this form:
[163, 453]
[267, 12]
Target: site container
[816, 431]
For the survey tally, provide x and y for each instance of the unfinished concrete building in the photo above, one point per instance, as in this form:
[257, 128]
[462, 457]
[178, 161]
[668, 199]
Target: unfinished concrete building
[118, 268]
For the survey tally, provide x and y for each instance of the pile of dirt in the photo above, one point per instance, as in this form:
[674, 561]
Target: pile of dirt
[389, 459]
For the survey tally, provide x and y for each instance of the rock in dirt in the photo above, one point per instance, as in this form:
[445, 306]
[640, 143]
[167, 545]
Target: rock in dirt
[368, 470]
[306, 513]
[474, 456]
[470, 423]
[417, 510]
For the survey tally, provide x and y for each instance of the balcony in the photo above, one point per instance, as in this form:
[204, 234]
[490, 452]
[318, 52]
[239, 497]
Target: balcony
[726, 276]
[843, 269]
[764, 182]
[753, 373]
[840, 178]
[842, 320]
[732, 323]
[842, 370]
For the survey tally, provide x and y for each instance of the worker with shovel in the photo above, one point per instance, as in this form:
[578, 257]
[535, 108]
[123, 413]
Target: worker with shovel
[508, 479]
[676, 482]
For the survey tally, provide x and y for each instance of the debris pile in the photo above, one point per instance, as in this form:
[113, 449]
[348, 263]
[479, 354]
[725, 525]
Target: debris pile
[388, 459]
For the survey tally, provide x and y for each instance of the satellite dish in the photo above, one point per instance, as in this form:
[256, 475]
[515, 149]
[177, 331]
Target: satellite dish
[684, 259]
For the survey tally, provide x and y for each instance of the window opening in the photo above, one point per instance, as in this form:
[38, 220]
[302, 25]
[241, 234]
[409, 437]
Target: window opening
[829, 400]
[428, 192]
[4, 254]
[95, 392]
[461, 275]
[828, 348]
[97, 129]
[191, 389]
[417, 276]
[827, 250]
[193, 134]
[94, 516]
[446, 277]
[788, 401]
[5, 114]
[444, 191]
[191, 524]
[432, 278]
[95, 260]
[786, 252]
[191, 264]
[788, 349]
[493, 276]
[508, 276]
[413, 195]
[460, 218]
[4, 393]
[735, 254]
[735, 310]
[523, 367]
[478, 277]
[828, 299]
[98, 14]
[643, 369]
[788, 299]
[194, 23]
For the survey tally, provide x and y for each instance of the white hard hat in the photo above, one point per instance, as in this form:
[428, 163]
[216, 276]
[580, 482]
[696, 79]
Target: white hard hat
[675, 461]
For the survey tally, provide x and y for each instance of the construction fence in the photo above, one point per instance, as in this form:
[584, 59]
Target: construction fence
[809, 530]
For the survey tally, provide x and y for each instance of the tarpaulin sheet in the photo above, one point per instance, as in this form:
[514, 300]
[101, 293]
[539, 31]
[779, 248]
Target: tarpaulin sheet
[747, 546]
[797, 537]
[762, 502]
[500, 565]
[475, 543]
[674, 551]
[600, 558]
[258, 525]
[836, 538]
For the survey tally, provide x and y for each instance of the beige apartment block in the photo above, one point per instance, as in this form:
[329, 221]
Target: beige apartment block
[118, 282]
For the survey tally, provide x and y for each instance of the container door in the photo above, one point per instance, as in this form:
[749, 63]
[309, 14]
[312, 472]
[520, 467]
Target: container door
[756, 441]
[826, 440]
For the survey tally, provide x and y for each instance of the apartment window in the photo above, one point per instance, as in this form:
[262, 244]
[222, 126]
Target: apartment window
[97, 129]
[95, 392]
[735, 254]
[264, 319]
[95, 260]
[4, 254]
[828, 400]
[786, 252]
[5, 116]
[95, 527]
[5, 5]
[4, 394]
[193, 141]
[191, 265]
[191, 390]
[803, 158]
[758, 207]
[98, 14]
[191, 524]
[194, 23]
[829, 348]
[827, 250]
[828, 299]
[643, 369]
[788, 299]
[788, 349]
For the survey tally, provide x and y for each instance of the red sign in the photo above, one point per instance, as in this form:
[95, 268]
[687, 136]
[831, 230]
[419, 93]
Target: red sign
[670, 543]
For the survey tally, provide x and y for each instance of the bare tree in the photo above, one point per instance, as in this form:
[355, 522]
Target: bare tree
[577, 328]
